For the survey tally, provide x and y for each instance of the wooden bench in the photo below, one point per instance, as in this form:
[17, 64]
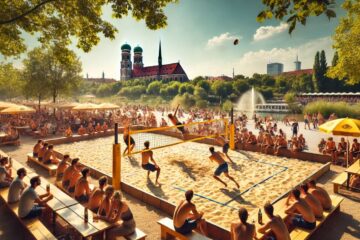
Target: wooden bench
[168, 231]
[302, 234]
[15, 142]
[137, 235]
[51, 168]
[34, 226]
[340, 180]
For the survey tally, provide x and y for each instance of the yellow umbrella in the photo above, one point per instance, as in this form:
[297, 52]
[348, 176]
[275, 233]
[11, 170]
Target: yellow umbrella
[65, 105]
[343, 127]
[86, 107]
[4, 105]
[17, 109]
[108, 106]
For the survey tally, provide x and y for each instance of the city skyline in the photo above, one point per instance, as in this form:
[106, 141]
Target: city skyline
[200, 35]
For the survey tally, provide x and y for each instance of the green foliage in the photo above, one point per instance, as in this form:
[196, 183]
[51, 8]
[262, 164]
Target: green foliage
[133, 92]
[60, 21]
[10, 81]
[104, 90]
[221, 89]
[200, 103]
[52, 71]
[240, 86]
[186, 101]
[197, 79]
[227, 106]
[347, 45]
[154, 88]
[341, 109]
[186, 88]
[296, 11]
[290, 99]
[266, 92]
[204, 85]
[317, 73]
[200, 93]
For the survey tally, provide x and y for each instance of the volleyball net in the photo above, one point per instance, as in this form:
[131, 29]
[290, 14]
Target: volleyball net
[162, 137]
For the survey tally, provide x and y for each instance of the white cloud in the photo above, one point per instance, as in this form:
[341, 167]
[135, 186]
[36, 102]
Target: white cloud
[221, 39]
[269, 31]
[255, 61]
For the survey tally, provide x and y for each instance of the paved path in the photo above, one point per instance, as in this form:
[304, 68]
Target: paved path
[344, 225]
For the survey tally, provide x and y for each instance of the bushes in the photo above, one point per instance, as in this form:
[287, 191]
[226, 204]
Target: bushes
[341, 109]
[133, 92]
[186, 101]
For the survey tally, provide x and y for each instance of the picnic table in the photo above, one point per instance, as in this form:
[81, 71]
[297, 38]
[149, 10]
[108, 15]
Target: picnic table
[22, 129]
[74, 216]
[354, 169]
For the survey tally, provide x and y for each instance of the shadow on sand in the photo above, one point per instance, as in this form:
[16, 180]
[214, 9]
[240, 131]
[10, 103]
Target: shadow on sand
[186, 169]
[156, 190]
[133, 161]
[235, 195]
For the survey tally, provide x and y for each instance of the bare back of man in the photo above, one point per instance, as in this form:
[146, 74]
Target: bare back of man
[322, 196]
[96, 199]
[278, 227]
[243, 231]
[146, 157]
[218, 157]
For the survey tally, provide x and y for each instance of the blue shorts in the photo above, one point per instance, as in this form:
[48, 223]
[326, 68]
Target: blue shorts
[223, 168]
[82, 199]
[34, 212]
[71, 189]
[66, 184]
[35, 154]
[187, 227]
[298, 221]
[149, 167]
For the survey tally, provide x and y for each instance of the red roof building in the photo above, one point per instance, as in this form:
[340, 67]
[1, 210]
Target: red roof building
[136, 69]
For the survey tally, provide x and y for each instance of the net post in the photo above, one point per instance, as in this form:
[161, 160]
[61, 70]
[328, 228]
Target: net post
[128, 130]
[116, 171]
[232, 130]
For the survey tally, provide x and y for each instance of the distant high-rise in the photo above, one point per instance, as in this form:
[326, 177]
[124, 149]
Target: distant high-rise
[297, 64]
[275, 68]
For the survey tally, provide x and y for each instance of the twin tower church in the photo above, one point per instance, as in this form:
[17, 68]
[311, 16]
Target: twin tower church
[136, 69]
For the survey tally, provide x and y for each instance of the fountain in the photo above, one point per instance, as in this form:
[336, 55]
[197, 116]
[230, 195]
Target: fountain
[248, 101]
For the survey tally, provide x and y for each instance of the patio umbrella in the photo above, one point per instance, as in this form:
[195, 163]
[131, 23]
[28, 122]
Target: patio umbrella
[4, 105]
[17, 109]
[86, 107]
[65, 105]
[343, 127]
[108, 106]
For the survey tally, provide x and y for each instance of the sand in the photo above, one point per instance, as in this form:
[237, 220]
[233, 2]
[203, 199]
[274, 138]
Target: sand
[187, 166]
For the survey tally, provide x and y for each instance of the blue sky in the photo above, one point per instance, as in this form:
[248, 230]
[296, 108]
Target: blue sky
[200, 34]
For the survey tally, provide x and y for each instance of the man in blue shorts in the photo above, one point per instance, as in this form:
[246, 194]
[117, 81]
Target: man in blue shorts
[218, 157]
[146, 156]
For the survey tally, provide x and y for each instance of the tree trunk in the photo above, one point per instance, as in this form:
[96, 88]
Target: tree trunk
[39, 101]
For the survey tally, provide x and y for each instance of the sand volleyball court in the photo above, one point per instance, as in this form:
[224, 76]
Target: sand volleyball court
[187, 166]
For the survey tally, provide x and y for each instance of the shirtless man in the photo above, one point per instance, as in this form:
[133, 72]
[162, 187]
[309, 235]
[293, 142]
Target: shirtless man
[251, 139]
[330, 148]
[147, 155]
[98, 127]
[225, 146]
[176, 121]
[276, 225]
[321, 194]
[222, 168]
[187, 218]
[97, 195]
[37, 148]
[342, 148]
[42, 151]
[81, 130]
[68, 132]
[243, 230]
[354, 150]
[5, 173]
[63, 165]
[82, 188]
[299, 212]
[129, 141]
[49, 156]
[279, 144]
[312, 201]
[68, 173]
[105, 127]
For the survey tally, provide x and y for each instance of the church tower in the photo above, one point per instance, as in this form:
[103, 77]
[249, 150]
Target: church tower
[126, 65]
[297, 64]
[138, 59]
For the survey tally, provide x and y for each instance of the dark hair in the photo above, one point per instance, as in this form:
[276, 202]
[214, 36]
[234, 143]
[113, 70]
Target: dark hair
[39, 141]
[146, 144]
[304, 187]
[20, 171]
[103, 180]
[243, 215]
[74, 161]
[46, 144]
[51, 146]
[269, 209]
[85, 171]
[34, 180]
[66, 156]
[189, 195]
[296, 193]
[312, 182]
[170, 115]
[212, 149]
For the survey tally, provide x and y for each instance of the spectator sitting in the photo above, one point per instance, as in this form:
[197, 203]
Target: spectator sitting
[68, 132]
[81, 130]
[5, 173]
[97, 195]
[243, 230]
[17, 186]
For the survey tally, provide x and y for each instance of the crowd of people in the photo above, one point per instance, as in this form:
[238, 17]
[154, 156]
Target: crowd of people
[343, 149]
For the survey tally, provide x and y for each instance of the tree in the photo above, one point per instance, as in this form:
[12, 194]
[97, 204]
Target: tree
[316, 74]
[222, 89]
[227, 106]
[10, 81]
[204, 84]
[335, 59]
[347, 45]
[55, 71]
[154, 88]
[186, 87]
[240, 86]
[59, 21]
[323, 80]
[296, 11]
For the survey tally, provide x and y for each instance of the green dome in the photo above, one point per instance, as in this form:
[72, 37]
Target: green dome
[138, 49]
[126, 47]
